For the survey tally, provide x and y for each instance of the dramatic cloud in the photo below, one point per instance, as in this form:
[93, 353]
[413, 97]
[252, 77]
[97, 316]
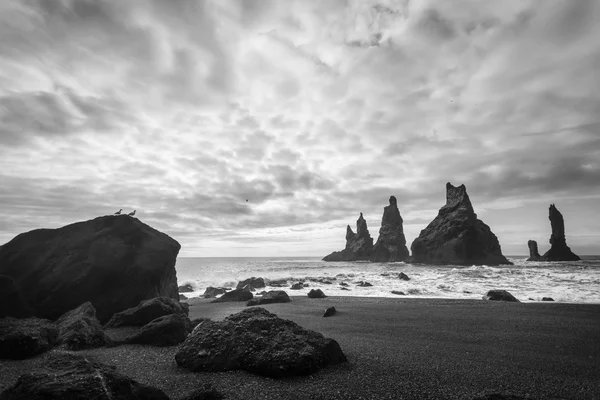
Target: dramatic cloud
[264, 127]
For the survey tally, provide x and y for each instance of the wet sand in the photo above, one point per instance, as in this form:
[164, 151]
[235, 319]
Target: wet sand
[402, 349]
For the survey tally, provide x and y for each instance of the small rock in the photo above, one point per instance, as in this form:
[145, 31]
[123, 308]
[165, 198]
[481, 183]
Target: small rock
[146, 311]
[212, 292]
[363, 284]
[297, 286]
[316, 294]
[500, 295]
[235, 295]
[344, 288]
[185, 288]
[254, 283]
[547, 299]
[278, 283]
[403, 276]
[398, 292]
[343, 284]
[329, 312]
[273, 296]
[167, 330]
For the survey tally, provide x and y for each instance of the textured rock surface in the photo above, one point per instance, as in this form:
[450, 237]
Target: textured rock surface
[297, 286]
[403, 276]
[79, 329]
[187, 288]
[273, 296]
[167, 330]
[456, 236]
[329, 312]
[500, 295]
[24, 338]
[74, 377]
[534, 255]
[316, 294]
[114, 262]
[145, 312]
[259, 342]
[559, 251]
[391, 243]
[211, 292]
[359, 245]
[12, 303]
[235, 295]
[253, 283]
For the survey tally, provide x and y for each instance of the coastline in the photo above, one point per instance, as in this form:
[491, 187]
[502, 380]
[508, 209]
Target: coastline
[401, 348]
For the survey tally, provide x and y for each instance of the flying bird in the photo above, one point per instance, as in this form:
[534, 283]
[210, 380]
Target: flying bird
[131, 214]
[119, 212]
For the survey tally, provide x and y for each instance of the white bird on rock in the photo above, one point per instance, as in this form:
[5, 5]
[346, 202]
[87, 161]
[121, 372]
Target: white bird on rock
[119, 212]
[131, 214]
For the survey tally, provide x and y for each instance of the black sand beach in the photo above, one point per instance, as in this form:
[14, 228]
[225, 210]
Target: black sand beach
[400, 349]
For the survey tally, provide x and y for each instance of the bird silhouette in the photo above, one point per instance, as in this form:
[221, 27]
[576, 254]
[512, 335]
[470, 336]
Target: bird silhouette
[131, 214]
[119, 212]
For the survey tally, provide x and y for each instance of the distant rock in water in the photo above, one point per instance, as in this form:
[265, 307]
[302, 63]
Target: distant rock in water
[500, 295]
[359, 245]
[391, 244]
[456, 236]
[114, 262]
[534, 255]
[559, 251]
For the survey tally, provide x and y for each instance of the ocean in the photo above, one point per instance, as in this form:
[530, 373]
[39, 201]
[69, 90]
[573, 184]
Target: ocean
[567, 282]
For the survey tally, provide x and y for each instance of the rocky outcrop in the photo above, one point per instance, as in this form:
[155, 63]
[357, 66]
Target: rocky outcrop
[534, 255]
[12, 303]
[500, 295]
[359, 245]
[79, 329]
[167, 330]
[273, 296]
[114, 262]
[456, 236]
[259, 342]
[24, 338]
[253, 283]
[391, 243]
[559, 251]
[235, 295]
[74, 377]
[316, 294]
[212, 292]
[146, 312]
[187, 288]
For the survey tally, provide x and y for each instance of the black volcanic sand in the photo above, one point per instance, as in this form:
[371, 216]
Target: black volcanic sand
[400, 349]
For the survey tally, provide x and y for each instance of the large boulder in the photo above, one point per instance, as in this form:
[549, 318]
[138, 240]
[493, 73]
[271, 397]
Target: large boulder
[500, 295]
[456, 236]
[12, 303]
[253, 283]
[114, 262]
[359, 245]
[211, 292]
[259, 342]
[24, 338]
[316, 294]
[75, 377]
[534, 255]
[79, 329]
[391, 243]
[272, 296]
[235, 295]
[167, 330]
[559, 251]
[145, 312]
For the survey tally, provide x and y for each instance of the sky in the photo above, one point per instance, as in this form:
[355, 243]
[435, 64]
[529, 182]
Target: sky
[263, 128]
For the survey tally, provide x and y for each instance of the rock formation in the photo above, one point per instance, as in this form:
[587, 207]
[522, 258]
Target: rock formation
[534, 255]
[24, 338]
[114, 262]
[167, 330]
[316, 294]
[500, 295]
[272, 296]
[235, 295]
[259, 342]
[391, 244]
[254, 283]
[145, 312]
[79, 329]
[559, 251]
[359, 245]
[456, 236]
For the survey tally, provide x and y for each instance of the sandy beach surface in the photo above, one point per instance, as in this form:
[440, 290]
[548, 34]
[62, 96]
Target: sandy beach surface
[400, 349]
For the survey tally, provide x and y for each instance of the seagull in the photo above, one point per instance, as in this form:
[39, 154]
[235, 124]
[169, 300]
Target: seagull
[119, 212]
[131, 214]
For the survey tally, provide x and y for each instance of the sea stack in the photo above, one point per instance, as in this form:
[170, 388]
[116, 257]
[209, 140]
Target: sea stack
[456, 236]
[114, 262]
[559, 251]
[391, 244]
[534, 255]
[359, 245]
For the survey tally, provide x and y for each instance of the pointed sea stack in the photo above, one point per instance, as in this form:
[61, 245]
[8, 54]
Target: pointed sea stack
[359, 245]
[456, 236]
[559, 251]
[534, 255]
[391, 244]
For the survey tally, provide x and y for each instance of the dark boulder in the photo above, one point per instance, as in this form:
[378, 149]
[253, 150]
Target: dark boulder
[187, 288]
[547, 299]
[253, 283]
[278, 283]
[235, 295]
[12, 303]
[391, 243]
[398, 292]
[114, 262]
[559, 251]
[273, 296]
[316, 294]
[344, 288]
[146, 311]
[359, 245]
[343, 284]
[330, 312]
[500, 295]
[24, 338]
[534, 255]
[167, 330]
[403, 276]
[211, 292]
[79, 329]
[363, 284]
[259, 342]
[297, 286]
[75, 377]
[456, 236]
